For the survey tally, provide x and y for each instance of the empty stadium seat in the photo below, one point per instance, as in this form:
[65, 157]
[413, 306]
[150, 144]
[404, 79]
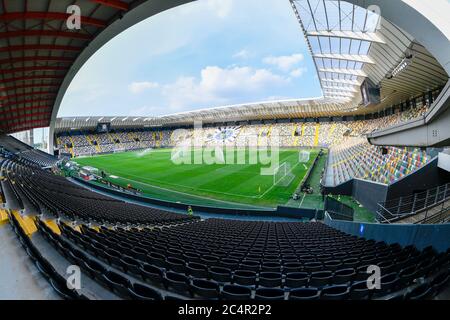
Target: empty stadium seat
[236, 292]
[304, 294]
[141, 292]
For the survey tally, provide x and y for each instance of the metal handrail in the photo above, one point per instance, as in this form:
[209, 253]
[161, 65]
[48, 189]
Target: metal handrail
[403, 207]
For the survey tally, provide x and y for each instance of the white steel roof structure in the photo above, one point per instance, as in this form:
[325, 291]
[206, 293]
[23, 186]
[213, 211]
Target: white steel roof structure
[349, 44]
[301, 108]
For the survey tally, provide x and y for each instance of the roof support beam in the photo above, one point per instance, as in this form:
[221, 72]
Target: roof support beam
[347, 57]
[344, 89]
[346, 82]
[354, 35]
[34, 59]
[116, 4]
[32, 69]
[36, 15]
[352, 72]
[14, 103]
[28, 94]
[39, 47]
[28, 108]
[27, 78]
[30, 86]
[338, 94]
[18, 117]
[44, 33]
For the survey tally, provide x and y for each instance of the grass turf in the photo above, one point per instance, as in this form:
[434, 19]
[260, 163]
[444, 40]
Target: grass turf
[156, 175]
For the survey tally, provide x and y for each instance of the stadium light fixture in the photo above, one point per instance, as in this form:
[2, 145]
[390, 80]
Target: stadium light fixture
[406, 61]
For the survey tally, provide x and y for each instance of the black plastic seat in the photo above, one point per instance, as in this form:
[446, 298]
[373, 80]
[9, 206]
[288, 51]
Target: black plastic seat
[350, 263]
[130, 265]
[175, 264]
[61, 288]
[422, 292]
[407, 275]
[269, 294]
[197, 270]
[152, 274]
[359, 291]
[244, 277]
[141, 292]
[441, 280]
[335, 292]
[388, 283]
[304, 294]
[320, 278]
[386, 266]
[139, 253]
[289, 267]
[270, 279]
[332, 264]
[312, 266]
[177, 282]
[45, 269]
[210, 260]
[271, 267]
[344, 276]
[296, 280]
[156, 259]
[114, 257]
[205, 289]
[229, 263]
[250, 265]
[220, 274]
[95, 269]
[236, 292]
[117, 283]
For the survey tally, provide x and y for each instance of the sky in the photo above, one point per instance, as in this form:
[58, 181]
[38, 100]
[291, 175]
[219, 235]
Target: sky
[204, 54]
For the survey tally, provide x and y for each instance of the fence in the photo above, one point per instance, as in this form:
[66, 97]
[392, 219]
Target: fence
[337, 210]
[429, 203]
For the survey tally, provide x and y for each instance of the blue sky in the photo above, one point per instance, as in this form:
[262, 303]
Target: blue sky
[204, 54]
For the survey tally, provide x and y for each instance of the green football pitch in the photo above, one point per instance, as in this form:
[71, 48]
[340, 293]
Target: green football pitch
[158, 176]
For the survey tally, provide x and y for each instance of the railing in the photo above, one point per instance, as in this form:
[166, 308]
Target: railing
[338, 210]
[425, 205]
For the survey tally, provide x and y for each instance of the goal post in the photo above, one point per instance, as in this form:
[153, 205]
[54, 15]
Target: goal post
[283, 175]
[303, 155]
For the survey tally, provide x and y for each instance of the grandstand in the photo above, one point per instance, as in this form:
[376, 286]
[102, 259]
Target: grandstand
[346, 195]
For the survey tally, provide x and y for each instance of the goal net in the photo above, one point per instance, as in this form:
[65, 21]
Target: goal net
[283, 175]
[303, 156]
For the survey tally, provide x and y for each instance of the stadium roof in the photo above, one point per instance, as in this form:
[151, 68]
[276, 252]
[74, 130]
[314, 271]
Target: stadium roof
[350, 44]
[39, 55]
[37, 50]
[253, 111]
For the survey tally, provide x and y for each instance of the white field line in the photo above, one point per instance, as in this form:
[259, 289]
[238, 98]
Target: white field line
[180, 186]
[191, 195]
[301, 202]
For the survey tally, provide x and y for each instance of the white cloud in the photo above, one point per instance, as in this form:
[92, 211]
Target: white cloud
[284, 63]
[221, 8]
[139, 87]
[220, 85]
[296, 73]
[243, 54]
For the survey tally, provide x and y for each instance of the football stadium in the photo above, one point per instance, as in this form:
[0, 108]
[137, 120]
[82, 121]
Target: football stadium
[242, 193]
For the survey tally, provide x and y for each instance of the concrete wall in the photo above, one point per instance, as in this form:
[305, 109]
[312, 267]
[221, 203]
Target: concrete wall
[421, 236]
[369, 193]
